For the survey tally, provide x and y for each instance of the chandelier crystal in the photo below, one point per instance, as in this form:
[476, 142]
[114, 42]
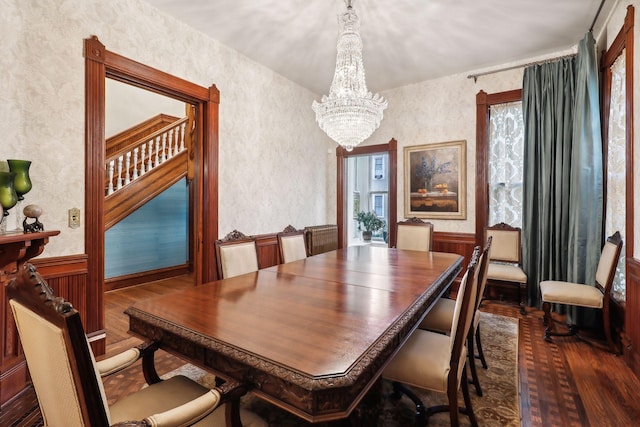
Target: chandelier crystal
[350, 114]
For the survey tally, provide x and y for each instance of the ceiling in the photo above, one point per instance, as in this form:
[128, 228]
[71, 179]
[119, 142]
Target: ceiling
[405, 41]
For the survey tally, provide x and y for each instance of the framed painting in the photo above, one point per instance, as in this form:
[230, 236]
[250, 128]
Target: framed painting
[435, 180]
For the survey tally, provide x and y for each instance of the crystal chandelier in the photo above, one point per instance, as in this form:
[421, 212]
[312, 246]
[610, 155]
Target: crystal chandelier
[350, 114]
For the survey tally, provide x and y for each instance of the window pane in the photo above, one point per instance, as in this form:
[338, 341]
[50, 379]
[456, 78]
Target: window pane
[616, 166]
[505, 163]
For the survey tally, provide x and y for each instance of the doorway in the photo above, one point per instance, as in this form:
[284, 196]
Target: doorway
[367, 181]
[367, 190]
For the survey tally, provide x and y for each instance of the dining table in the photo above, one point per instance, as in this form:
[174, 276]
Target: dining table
[312, 336]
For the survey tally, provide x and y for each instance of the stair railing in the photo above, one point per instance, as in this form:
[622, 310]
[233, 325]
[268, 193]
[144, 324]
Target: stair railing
[138, 158]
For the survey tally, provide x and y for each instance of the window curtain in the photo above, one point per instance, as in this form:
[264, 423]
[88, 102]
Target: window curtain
[562, 206]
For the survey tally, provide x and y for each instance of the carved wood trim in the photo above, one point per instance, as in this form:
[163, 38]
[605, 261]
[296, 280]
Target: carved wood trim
[203, 190]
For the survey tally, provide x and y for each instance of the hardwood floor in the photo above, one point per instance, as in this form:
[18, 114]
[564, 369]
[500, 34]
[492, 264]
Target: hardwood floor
[564, 383]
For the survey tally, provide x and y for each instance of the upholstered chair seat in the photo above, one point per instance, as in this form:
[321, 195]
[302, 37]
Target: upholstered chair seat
[436, 361]
[597, 296]
[68, 381]
[440, 318]
[571, 293]
[505, 266]
[506, 272]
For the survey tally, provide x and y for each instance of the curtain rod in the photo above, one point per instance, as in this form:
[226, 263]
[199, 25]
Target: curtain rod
[475, 76]
[497, 70]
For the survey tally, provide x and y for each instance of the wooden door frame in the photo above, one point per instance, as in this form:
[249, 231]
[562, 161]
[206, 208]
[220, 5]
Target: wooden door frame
[203, 226]
[484, 102]
[341, 154]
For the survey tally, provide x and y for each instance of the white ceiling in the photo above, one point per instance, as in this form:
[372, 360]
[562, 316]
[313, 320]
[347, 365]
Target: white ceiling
[405, 41]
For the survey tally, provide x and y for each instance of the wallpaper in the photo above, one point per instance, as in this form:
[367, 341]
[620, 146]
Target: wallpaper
[276, 166]
[273, 157]
[440, 110]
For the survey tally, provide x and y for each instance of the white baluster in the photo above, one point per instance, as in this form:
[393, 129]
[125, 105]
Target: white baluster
[142, 152]
[182, 136]
[135, 164]
[170, 144]
[164, 147]
[119, 182]
[176, 131]
[150, 163]
[157, 161]
[111, 167]
[127, 180]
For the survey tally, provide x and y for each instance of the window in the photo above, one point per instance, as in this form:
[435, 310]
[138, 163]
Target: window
[378, 204]
[378, 167]
[484, 109]
[505, 163]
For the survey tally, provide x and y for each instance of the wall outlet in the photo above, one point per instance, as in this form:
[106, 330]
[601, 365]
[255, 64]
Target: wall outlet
[74, 218]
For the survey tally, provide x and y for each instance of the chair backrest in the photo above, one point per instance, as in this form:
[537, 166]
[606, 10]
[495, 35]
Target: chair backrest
[236, 254]
[292, 245]
[414, 235]
[60, 361]
[483, 267]
[506, 243]
[463, 311]
[609, 258]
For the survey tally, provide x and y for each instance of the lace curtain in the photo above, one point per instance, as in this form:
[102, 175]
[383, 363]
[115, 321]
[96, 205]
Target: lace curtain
[616, 168]
[506, 152]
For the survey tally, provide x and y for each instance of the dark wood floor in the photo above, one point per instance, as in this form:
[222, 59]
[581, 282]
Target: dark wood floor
[565, 383]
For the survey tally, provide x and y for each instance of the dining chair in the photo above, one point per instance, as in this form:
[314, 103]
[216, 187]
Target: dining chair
[414, 234]
[292, 244]
[440, 318]
[581, 295]
[68, 380]
[505, 265]
[434, 361]
[236, 254]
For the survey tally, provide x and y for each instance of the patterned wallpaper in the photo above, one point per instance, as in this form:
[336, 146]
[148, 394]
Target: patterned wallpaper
[273, 159]
[438, 111]
[277, 167]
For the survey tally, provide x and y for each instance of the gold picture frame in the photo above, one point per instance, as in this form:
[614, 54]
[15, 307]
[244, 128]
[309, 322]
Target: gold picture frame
[435, 180]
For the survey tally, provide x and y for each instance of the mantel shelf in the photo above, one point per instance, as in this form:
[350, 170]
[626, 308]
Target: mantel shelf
[18, 247]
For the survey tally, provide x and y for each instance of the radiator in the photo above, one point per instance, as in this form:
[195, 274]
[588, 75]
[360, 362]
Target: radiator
[321, 238]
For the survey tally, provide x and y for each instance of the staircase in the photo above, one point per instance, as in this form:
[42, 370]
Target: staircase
[142, 162]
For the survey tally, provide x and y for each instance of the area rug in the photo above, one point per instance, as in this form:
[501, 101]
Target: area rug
[499, 405]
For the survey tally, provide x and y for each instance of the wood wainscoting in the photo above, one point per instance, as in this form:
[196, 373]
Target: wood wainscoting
[67, 276]
[631, 332]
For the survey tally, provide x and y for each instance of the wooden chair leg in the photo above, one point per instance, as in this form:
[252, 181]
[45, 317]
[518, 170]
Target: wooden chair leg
[606, 318]
[480, 351]
[523, 293]
[467, 400]
[472, 364]
[548, 321]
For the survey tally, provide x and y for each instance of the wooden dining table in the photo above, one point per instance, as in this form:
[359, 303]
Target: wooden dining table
[312, 336]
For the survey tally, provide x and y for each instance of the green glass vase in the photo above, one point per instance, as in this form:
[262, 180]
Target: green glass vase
[22, 181]
[8, 196]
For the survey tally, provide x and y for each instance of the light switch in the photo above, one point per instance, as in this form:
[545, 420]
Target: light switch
[74, 218]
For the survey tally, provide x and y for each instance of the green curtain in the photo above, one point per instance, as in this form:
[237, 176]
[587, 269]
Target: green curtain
[547, 104]
[587, 185]
[563, 184]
